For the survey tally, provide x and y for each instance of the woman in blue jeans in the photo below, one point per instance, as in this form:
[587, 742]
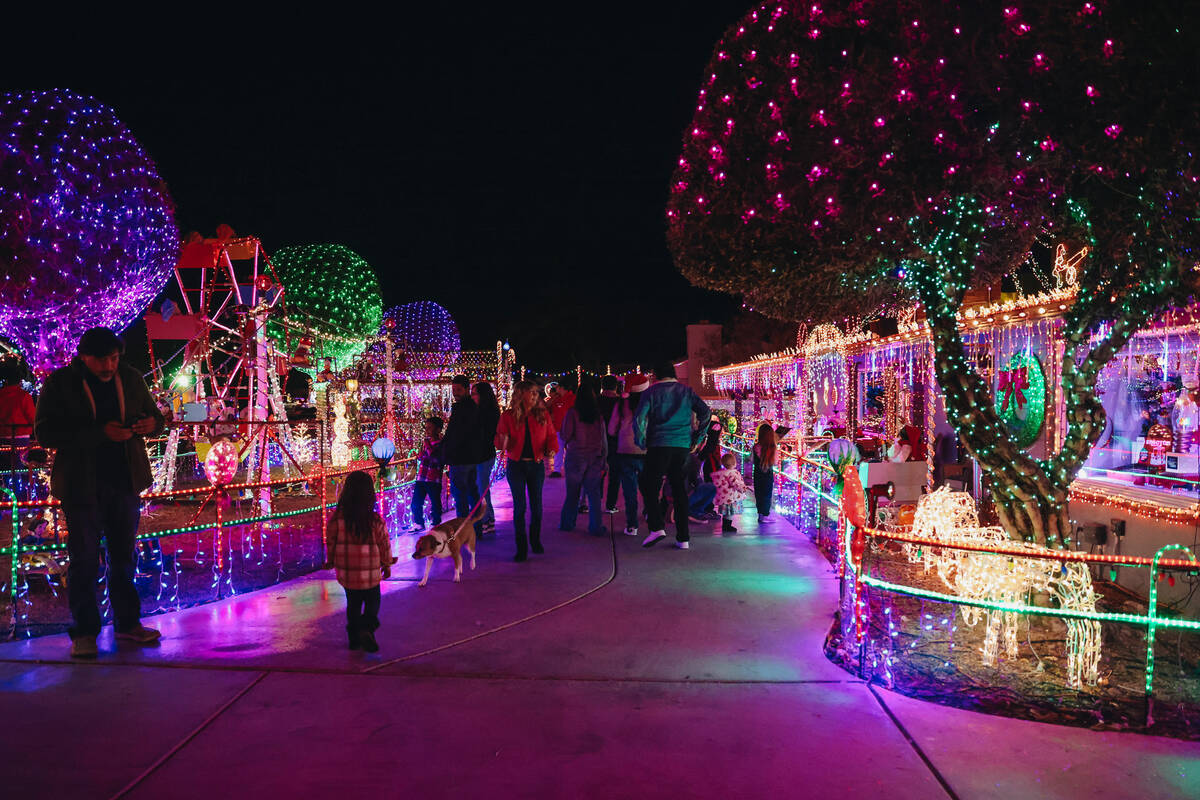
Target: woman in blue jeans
[585, 436]
[527, 437]
[630, 458]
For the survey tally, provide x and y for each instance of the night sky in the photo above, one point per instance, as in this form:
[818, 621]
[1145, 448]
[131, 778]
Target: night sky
[512, 165]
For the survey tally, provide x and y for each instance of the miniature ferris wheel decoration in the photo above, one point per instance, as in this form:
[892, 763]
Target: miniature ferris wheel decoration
[229, 288]
[229, 291]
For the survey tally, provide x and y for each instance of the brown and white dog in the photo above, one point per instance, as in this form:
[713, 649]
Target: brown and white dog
[449, 539]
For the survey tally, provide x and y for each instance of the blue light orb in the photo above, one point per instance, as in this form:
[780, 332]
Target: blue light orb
[383, 449]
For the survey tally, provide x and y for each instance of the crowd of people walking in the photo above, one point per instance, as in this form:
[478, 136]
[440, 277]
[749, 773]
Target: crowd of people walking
[652, 439]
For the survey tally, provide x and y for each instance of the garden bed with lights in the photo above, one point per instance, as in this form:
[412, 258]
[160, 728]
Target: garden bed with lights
[925, 649]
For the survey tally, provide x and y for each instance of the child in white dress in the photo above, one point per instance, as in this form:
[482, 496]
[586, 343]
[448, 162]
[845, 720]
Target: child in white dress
[730, 491]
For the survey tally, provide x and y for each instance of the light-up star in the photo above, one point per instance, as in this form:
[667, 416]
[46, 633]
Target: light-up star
[1065, 269]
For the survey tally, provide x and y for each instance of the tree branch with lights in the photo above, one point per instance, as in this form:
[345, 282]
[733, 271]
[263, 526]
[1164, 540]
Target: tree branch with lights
[848, 158]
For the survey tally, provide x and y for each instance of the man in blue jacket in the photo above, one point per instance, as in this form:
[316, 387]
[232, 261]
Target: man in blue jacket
[666, 426]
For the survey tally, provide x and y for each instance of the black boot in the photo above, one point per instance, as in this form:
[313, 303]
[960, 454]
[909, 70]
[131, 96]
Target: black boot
[522, 547]
[355, 641]
[727, 525]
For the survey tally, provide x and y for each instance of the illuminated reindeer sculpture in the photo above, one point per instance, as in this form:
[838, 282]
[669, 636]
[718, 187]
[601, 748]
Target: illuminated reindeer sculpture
[950, 518]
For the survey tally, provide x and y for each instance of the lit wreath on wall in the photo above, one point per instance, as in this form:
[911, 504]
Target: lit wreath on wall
[1021, 398]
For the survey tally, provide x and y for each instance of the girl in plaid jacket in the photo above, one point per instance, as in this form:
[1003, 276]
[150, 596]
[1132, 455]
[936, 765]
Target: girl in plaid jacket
[360, 552]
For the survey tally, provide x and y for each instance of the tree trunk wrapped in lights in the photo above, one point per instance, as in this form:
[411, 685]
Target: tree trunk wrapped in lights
[845, 157]
[1030, 494]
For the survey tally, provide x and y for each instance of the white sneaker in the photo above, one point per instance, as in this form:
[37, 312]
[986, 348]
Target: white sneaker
[654, 538]
[631, 531]
[682, 546]
[610, 510]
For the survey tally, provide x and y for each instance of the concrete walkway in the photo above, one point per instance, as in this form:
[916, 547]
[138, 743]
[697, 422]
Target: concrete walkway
[597, 670]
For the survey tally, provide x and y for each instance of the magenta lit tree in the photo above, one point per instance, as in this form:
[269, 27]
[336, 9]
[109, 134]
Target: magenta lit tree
[87, 229]
[848, 156]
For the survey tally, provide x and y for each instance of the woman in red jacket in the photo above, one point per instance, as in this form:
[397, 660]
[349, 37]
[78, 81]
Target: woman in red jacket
[16, 414]
[526, 435]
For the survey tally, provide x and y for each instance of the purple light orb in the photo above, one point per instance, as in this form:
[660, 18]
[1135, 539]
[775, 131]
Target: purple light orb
[87, 228]
[425, 338]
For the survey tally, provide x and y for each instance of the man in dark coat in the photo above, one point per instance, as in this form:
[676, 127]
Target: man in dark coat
[95, 413]
[460, 447]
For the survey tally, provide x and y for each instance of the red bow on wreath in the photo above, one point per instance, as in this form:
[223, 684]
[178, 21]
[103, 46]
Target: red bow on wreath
[1014, 382]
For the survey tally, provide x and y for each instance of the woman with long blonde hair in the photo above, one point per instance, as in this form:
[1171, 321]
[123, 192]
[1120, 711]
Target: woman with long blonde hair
[765, 456]
[526, 435]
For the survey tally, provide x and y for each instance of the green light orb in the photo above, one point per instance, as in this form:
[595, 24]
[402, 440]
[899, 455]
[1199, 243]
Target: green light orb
[332, 292]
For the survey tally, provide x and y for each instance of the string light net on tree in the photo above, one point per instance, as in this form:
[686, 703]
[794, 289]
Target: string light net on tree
[332, 293]
[848, 156]
[822, 129]
[87, 229]
[425, 338]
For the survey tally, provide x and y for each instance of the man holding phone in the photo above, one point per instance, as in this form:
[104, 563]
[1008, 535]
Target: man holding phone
[94, 413]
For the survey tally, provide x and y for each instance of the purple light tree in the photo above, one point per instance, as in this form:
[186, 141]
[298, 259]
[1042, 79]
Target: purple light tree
[87, 229]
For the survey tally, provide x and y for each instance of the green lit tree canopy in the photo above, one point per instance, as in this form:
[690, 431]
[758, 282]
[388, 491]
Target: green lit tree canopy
[331, 293]
[845, 156]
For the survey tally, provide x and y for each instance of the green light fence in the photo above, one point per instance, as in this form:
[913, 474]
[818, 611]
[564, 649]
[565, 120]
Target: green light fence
[15, 549]
[857, 574]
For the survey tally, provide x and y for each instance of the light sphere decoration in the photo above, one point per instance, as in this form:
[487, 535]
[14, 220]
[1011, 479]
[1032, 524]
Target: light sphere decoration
[424, 335]
[87, 228]
[221, 463]
[331, 291]
[843, 452]
[383, 449]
